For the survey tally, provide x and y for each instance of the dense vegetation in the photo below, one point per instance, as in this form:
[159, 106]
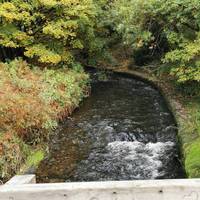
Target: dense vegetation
[55, 38]
[48, 32]
[168, 29]
[35, 95]
[169, 32]
[32, 102]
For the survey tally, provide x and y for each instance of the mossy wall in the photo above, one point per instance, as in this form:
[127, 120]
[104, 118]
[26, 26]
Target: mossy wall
[187, 116]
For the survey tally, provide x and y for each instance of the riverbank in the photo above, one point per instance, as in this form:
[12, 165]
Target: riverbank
[32, 103]
[123, 131]
[186, 111]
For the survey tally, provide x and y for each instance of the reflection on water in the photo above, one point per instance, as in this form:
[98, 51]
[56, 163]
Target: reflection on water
[124, 131]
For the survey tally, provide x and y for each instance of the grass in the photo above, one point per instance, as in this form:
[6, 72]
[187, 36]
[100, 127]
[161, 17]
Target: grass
[192, 161]
[13, 152]
[32, 102]
[33, 160]
[192, 138]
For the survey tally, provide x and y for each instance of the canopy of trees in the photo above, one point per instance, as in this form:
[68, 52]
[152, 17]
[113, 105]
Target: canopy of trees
[168, 27]
[57, 31]
[48, 32]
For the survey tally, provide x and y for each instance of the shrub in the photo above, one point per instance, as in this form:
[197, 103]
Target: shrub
[32, 102]
[13, 153]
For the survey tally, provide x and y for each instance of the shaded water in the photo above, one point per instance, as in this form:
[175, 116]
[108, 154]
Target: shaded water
[124, 131]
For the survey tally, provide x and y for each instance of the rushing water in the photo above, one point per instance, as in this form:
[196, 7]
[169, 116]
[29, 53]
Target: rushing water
[124, 131]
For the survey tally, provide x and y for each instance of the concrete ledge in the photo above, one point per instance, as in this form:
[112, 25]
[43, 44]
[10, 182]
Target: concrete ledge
[20, 180]
[188, 189]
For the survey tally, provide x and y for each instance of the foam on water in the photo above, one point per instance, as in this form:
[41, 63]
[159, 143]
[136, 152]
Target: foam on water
[124, 131]
[125, 160]
[147, 157]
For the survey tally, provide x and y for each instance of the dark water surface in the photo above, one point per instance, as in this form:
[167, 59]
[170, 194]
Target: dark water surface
[124, 131]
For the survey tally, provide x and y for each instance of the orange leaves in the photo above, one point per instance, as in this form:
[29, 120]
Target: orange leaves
[7, 136]
[1, 148]
[11, 155]
[34, 99]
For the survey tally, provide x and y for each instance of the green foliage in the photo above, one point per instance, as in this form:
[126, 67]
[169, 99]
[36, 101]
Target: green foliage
[48, 32]
[34, 159]
[32, 102]
[129, 20]
[188, 89]
[50, 93]
[192, 162]
[189, 135]
[58, 34]
[51, 35]
[169, 27]
[13, 153]
[194, 108]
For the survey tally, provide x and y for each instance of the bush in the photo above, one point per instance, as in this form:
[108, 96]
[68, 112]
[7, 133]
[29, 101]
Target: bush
[50, 93]
[13, 153]
[32, 102]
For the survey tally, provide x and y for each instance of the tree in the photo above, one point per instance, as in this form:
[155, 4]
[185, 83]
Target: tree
[47, 32]
[170, 27]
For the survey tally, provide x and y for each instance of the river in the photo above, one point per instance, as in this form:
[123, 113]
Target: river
[123, 131]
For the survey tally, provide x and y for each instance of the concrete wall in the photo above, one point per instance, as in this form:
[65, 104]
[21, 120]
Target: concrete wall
[188, 189]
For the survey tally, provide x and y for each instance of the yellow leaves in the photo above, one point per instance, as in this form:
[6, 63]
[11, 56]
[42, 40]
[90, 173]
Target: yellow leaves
[77, 44]
[61, 28]
[10, 12]
[10, 36]
[186, 73]
[22, 38]
[57, 33]
[7, 6]
[45, 55]
[140, 43]
[64, 3]
[48, 3]
[50, 30]
[50, 58]
[186, 61]
[8, 43]
[25, 6]
[67, 57]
